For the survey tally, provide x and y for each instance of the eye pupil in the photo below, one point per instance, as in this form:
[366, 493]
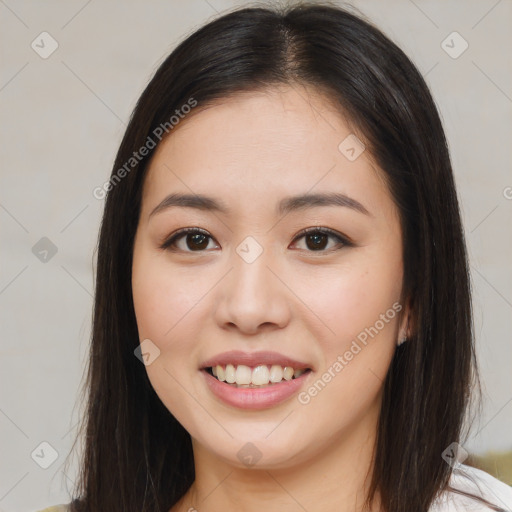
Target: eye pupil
[317, 240]
[198, 241]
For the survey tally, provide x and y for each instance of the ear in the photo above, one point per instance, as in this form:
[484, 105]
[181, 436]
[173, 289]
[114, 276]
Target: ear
[406, 328]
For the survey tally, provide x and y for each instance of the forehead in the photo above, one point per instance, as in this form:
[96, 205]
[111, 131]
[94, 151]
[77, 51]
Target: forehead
[278, 141]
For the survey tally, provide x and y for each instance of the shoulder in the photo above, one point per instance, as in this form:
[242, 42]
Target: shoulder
[56, 508]
[476, 482]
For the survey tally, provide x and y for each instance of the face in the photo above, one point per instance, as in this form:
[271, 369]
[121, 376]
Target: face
[248, 295]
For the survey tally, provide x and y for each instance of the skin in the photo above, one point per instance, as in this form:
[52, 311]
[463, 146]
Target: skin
[250, 151]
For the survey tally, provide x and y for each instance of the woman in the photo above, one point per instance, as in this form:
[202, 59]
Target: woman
[282, 311]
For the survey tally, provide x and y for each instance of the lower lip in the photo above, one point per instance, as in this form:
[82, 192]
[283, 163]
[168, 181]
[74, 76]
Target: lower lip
[254, 398]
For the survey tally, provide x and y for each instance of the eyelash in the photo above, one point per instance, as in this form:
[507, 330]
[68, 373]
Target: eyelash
[167, 245]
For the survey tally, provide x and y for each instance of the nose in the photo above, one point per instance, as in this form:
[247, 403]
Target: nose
[252, 297]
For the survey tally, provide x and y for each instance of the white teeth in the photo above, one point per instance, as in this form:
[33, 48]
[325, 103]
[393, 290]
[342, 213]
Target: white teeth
[288, 373]
[260, 375]
[221, 374]
[245, 376]
[230, 374]
[276, 373]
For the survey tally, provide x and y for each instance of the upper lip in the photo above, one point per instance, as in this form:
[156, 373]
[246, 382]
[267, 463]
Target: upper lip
[254, 359]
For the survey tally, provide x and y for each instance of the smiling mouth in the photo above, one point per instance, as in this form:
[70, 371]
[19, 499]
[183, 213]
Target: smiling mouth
[242, 376]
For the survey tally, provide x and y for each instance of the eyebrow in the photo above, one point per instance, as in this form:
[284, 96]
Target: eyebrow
[285, 206]
[305, 201]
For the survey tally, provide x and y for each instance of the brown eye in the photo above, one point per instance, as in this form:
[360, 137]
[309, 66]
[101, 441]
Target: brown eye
[195, 240]
[317, 240]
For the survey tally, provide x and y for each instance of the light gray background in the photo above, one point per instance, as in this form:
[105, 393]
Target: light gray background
[62, 119]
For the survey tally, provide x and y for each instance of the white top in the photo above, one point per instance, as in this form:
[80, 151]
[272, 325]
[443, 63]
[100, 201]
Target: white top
[479, 483]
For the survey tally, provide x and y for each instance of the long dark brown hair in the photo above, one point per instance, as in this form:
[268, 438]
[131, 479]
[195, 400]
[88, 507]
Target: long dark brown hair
[136, 455]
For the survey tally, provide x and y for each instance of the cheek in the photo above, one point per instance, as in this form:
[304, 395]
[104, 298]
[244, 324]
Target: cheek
[360, 304]
[162, 296]
[163, 303]
[351, 298]
[161, 314]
